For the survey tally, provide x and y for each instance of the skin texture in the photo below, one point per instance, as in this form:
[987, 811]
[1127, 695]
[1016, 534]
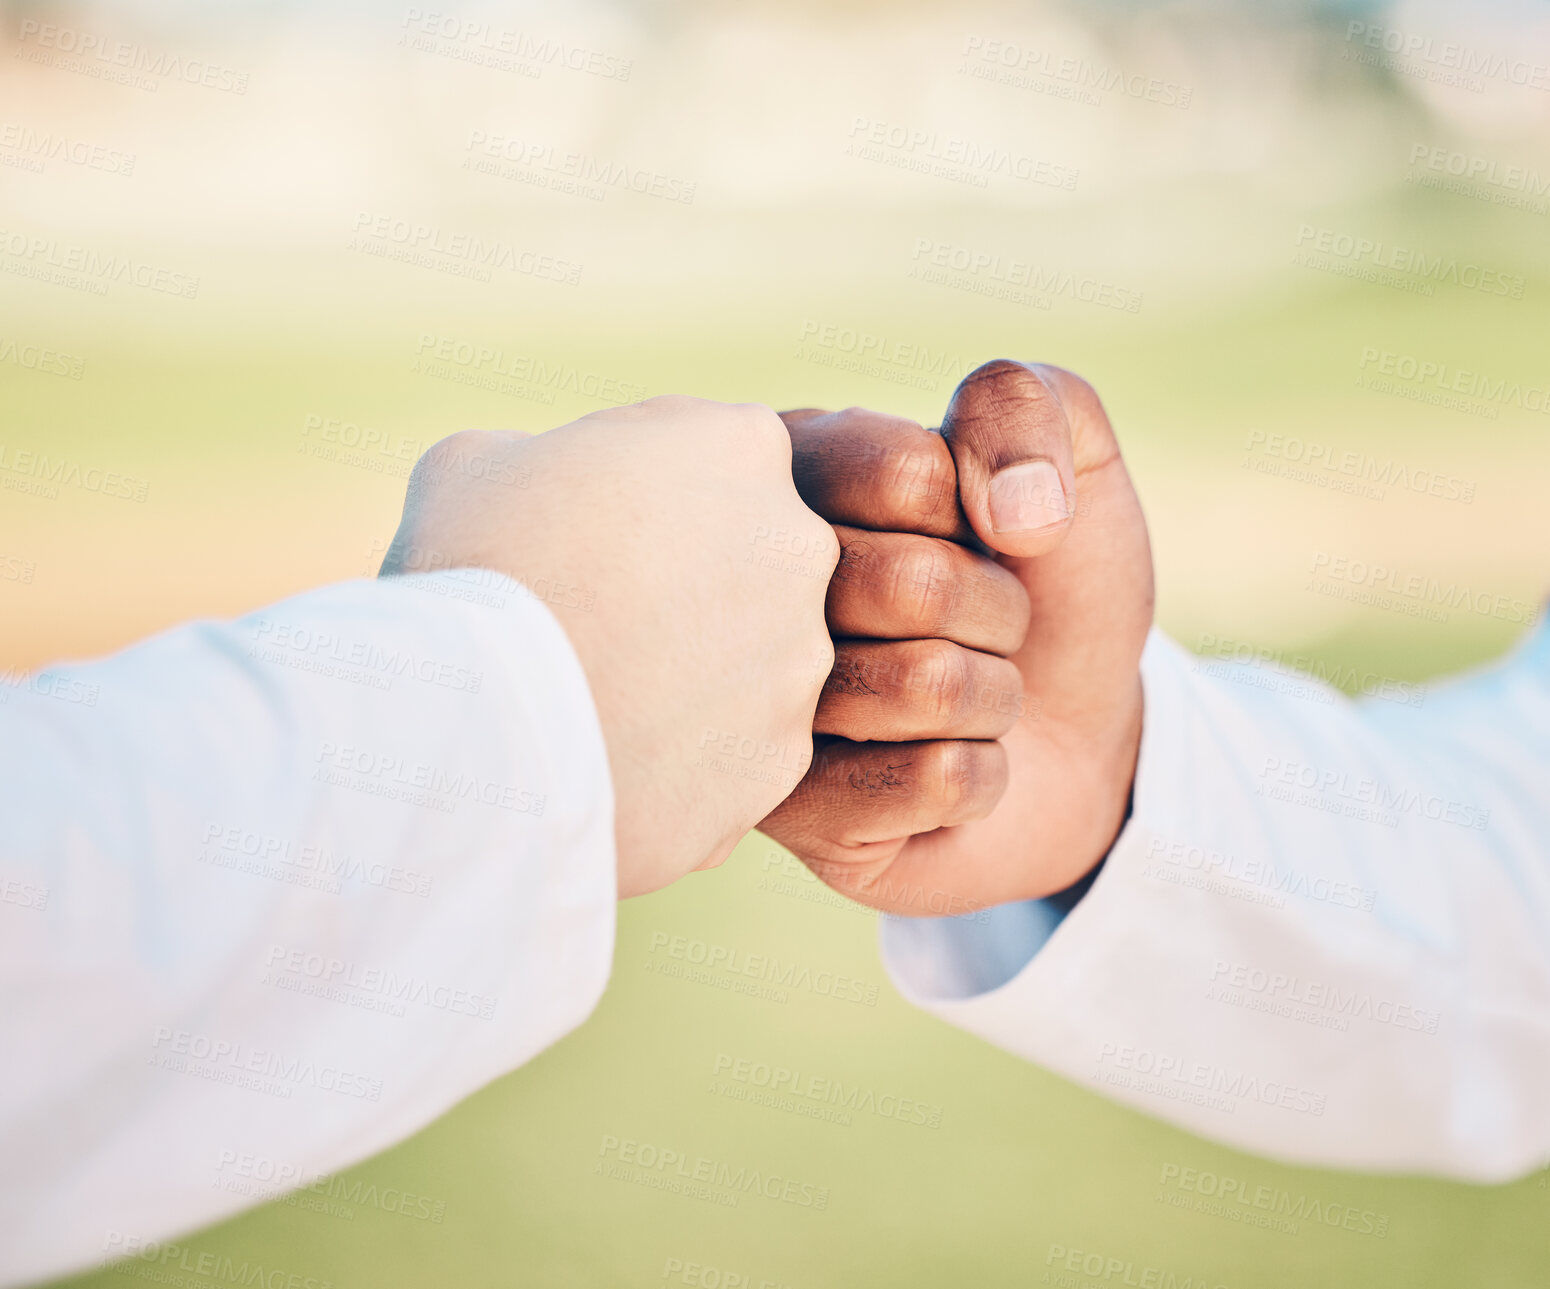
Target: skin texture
[704, 646]
[914, 809]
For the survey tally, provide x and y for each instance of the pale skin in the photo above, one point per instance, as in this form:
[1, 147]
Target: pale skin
[705, 659]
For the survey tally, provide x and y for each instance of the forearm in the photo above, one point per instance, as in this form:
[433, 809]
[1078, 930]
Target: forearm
[308, 879]
[1321, 936]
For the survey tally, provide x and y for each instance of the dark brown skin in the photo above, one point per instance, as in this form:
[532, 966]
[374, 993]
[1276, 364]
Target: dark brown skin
[944, 777]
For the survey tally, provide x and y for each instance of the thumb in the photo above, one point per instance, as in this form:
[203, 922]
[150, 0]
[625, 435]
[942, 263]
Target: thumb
[1012, 442]
[1090, 585]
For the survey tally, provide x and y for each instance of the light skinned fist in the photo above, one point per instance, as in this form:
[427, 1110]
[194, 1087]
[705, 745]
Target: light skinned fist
[702, 634]
[920, 808]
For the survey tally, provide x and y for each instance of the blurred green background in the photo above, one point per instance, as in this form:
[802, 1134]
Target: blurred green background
[238, 409]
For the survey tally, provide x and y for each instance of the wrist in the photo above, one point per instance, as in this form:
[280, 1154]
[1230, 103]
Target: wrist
[1094, 772]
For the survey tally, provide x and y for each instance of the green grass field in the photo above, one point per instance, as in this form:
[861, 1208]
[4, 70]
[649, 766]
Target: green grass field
[222, 411]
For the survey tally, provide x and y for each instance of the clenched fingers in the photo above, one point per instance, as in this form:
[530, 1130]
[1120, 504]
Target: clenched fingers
[902, 586]
[897, 691]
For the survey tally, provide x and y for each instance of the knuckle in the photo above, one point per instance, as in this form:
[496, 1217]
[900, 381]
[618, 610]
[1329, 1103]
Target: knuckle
[761, 431]
[1002, 392]
[915, 482]
[1011, 379]
[659, 407]
[952, 772]
[674, 403]
[824, 542]
[856, 561]
[940, 678]
[1081, 388]
[443, 456]
[857, 673]
[824, 659]
[453, 444]
[1083, 405]
[921, 585]
[760, 419]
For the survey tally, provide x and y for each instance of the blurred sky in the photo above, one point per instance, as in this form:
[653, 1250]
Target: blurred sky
[763, 169]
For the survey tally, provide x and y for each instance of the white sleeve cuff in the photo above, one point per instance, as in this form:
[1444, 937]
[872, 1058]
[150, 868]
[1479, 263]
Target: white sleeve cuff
[953, 959]
[1320, 937]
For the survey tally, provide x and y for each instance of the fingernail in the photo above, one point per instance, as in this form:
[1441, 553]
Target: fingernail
[1025, 498]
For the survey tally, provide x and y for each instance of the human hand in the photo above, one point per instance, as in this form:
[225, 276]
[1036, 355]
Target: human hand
[701, 629]
[1027, 467]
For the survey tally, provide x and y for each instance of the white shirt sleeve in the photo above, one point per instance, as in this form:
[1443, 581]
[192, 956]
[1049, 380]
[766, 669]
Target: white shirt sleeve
[275, 893]
[1323, 936]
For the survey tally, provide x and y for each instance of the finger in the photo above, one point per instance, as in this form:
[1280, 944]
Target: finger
[860, 802]
[1089, 577]
[1011, 443]
[896, 691]
[900, 586]
[871, 470]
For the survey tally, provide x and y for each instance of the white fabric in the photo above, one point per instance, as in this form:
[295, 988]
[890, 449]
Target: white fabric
[1323, 936]
[275, 893]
